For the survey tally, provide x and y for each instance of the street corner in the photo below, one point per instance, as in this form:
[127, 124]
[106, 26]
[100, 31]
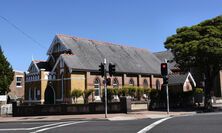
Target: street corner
[181, 114]
[122, 118]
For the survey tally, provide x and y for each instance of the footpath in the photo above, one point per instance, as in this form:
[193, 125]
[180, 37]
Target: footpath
[134, 115]
[112, 117]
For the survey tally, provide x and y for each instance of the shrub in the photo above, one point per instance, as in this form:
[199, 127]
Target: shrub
[115, 91]
[132, 91]
[120, 92]
[198, 96]
[110, 94]
[147, 91]
[86, 95]
[199, 91]
[76, 93]
[139, 93]
[154, 94]
[124, 91]
[157, 99]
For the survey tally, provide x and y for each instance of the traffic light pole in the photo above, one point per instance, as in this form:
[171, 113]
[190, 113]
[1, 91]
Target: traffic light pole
[167, 94]
[103, 72]
[105, 87]
[164, 73]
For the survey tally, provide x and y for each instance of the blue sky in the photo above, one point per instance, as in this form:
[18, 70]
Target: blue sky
[138, 23]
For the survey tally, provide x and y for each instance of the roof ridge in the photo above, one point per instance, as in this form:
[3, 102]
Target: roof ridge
[39, 60]
[162, 51]
[101, 42]
[19, 71]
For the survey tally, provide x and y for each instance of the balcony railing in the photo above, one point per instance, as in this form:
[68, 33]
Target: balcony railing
[37, 77]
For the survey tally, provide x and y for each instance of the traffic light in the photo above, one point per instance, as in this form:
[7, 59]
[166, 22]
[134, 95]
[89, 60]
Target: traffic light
[164, 73]
[112, 69]
[101, 69]
[164, 69]
[165, 79]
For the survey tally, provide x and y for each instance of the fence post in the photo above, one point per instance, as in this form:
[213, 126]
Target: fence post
[14, 109]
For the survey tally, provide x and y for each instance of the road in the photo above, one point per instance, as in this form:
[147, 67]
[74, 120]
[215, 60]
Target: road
[203, 123]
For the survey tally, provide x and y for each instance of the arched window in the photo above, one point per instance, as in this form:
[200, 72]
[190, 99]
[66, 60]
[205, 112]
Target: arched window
[97, 87]
[131, 82]
[115, 83]
[158, 84]
[145, 83]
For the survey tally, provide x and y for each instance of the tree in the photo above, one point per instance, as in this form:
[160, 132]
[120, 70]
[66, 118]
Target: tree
[75, 94]
[6, 74]
[86, 94]
[199, 46]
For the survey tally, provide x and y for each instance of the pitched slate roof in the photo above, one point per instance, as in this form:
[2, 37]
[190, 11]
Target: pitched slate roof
[179, 79]
[176, 79]
[88, 54]
[168, 55]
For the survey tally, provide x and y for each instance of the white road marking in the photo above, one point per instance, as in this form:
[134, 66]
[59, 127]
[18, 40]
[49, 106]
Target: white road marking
[14, 129]
[33, 128]
[36, 123]
[146, 129]
[67, 124]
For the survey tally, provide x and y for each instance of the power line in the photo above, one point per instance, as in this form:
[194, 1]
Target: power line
[21, 31]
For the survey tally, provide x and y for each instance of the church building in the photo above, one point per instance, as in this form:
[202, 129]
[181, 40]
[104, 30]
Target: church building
[73, 63]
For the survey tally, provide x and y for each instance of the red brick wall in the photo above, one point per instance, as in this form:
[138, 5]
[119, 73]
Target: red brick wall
[16, 90]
